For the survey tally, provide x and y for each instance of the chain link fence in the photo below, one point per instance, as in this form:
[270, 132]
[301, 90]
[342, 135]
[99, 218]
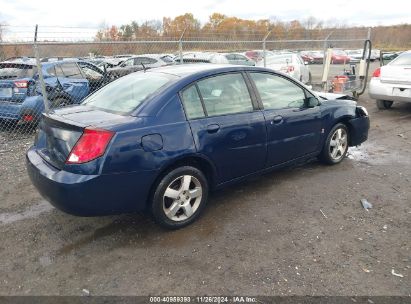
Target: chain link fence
[55, 67]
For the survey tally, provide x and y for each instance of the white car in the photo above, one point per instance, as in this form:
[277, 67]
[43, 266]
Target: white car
[202, 57]
[289, 63]
[392, 82]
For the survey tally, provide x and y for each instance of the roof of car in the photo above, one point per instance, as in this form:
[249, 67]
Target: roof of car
[199, 68]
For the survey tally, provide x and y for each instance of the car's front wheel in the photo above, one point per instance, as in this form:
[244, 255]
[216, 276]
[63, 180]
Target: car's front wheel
[384, 104]
[336, 145]
[179, 197]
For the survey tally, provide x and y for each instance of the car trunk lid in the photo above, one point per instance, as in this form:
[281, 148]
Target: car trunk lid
[396, 74]
[60, 130]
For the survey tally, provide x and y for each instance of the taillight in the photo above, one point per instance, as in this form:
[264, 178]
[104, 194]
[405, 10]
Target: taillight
[91, 145]
[21, 84]
[28, 118]
[377, 73]
[288, 69]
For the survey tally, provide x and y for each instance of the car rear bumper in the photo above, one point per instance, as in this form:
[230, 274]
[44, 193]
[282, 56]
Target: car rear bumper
[89, 195]
[385, 91]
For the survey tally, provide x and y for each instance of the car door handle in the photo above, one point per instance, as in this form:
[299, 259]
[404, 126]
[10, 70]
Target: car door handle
[213, 128]
[277, 119]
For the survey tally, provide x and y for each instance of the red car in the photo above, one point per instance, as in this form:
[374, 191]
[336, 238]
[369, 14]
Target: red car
[340, 57]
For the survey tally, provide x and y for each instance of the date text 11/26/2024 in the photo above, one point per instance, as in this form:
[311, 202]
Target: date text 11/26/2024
[203, 299]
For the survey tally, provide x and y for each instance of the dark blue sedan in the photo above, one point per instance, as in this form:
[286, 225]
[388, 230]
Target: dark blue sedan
[160, 140]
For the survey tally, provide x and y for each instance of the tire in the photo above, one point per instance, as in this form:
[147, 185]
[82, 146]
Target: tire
[59, 102]
[179, 197]
[384, 104]
[336, 145]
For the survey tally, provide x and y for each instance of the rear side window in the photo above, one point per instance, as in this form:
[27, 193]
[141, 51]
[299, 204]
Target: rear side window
[127, 93]
[192, 103]
[403, 59]
[277, 92]
[225, 94]
[71, 70]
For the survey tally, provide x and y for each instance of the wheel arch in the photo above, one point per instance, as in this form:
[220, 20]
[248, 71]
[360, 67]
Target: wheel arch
[198, 161]
[346, 120]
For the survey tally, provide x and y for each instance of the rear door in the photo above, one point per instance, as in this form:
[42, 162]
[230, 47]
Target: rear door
[72, 81]
[226, 126]
[293, 128]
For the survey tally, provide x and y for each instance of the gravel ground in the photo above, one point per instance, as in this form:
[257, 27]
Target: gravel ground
[298, 231]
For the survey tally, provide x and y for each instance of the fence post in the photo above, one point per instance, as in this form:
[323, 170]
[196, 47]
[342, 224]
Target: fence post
[180, 46]
[38, 64]
[325, 53]
[264, 47]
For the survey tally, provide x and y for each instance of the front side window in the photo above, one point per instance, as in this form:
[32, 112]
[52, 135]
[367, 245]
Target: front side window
[127, 93]
[192, 103]
[277, 92]
[225, 94]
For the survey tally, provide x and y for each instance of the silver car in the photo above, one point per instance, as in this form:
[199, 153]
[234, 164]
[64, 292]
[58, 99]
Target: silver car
[240, 59]
[289, 63]
[392, 82]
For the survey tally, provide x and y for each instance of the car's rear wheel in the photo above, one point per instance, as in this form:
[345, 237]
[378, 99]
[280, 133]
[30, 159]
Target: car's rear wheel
[384, 104]
[179, 197]
[336, 145]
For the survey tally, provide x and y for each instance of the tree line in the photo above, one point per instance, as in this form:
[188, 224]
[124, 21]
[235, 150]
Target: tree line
[222, 27]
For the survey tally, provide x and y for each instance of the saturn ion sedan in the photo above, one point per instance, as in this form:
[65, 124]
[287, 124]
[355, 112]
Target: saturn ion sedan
[162, 139]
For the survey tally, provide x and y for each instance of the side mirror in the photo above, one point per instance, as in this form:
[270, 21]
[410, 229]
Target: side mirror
[311, 102]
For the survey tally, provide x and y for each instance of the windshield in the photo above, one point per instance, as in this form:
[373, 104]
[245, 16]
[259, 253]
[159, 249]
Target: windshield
[403, 59]
[10, 70]
[127, 93]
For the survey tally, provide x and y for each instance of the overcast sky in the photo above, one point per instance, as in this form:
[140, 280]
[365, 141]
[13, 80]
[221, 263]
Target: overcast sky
[94, 13]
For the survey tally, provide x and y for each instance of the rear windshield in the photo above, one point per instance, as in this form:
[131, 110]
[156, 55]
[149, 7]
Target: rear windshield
[167, 59]
[127, 93]
[403, 59]
[279, 59]
[10, 70]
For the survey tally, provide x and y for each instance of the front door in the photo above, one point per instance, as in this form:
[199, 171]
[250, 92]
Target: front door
[293, 127]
